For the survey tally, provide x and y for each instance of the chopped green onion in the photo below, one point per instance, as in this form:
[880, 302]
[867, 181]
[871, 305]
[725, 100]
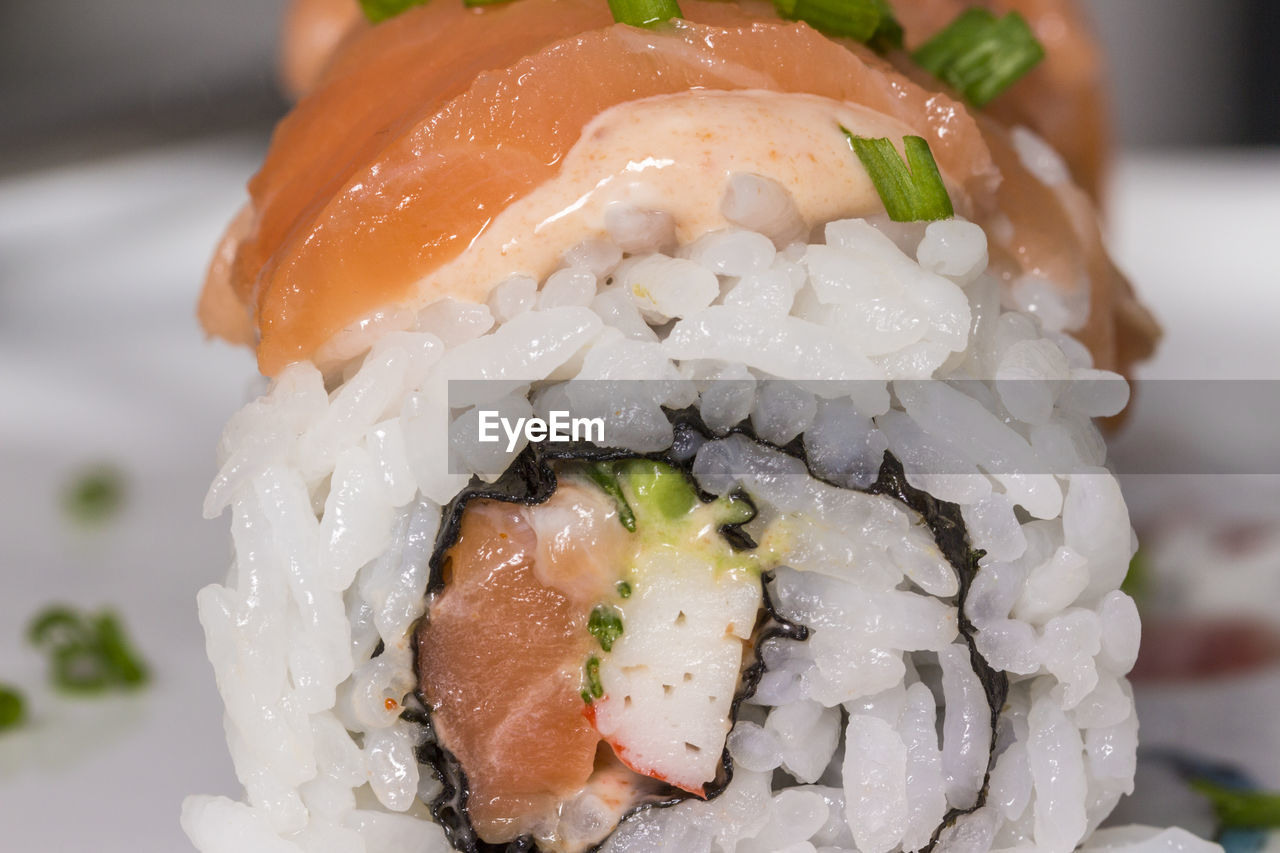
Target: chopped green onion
[605, 624]
[95, 496]
[13, 708]
[57, 626]
[593, 689]
[379, 10]
[867, 21]
[1237, 809]
[624, 589]
[114, 645]
[870, 22]
[644, 13]
[888, 35]
[981, 55]
[88, 653]
[604, 476]
[951, 41]
[911, 191]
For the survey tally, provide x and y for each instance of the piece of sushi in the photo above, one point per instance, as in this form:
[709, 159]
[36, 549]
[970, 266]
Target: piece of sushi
[839, 569]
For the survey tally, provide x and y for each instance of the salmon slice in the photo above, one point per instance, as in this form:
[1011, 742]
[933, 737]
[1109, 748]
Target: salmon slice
[1056, 234]
[221, 311]
[1055, 230]
[407, 151]
[1063, 99]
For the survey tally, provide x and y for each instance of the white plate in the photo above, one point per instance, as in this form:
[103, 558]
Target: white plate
[101, 360]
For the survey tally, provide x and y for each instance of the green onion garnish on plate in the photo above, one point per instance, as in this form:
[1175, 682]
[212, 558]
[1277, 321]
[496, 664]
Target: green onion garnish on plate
[644, 13]
[96, 495]
[981, 55]
[88, 653]
[13, 708]
[379, 10]
[912, 191]
[1239, 809]
[868, 21]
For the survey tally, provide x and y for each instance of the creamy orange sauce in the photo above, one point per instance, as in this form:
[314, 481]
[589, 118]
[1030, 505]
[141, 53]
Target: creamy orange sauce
[674, 153]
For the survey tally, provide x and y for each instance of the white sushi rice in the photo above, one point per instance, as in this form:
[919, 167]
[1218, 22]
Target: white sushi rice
[861, 738]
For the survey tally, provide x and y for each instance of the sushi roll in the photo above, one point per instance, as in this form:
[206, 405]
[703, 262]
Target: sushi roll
[654, 460]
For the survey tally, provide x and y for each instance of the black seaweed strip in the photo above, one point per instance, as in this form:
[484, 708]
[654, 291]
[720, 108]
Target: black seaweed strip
[947, 524]
[531, 480]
